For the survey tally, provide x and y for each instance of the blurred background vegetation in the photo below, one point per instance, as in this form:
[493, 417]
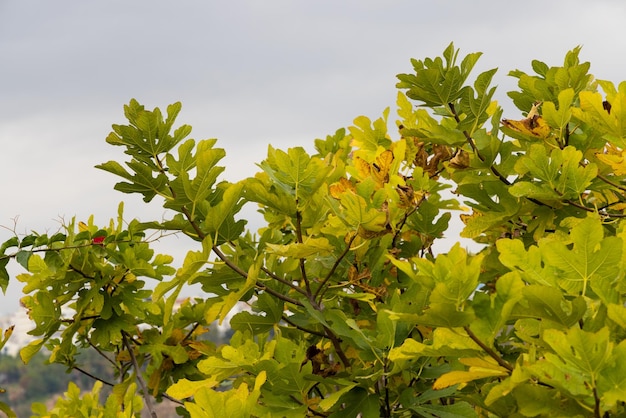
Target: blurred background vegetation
[40, 381]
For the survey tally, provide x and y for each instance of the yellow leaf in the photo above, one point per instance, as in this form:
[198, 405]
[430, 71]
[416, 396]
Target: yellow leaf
[340, 187]
[534, 125]
[619, 206]
[479, 368]
[363, 168]
[185, 388]
[380, 168]
[8, 332]
[485, 362]
[260, 380]
[615, 158]
[460, 376]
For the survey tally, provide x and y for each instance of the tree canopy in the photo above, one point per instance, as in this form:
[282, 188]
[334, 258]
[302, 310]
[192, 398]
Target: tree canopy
[350, 311]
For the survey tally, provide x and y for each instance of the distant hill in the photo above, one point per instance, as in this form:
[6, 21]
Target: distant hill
[22, 324]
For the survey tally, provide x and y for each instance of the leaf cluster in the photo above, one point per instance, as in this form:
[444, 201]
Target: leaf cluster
[340, 305]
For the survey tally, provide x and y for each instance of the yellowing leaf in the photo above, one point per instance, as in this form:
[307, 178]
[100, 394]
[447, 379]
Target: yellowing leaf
[615, 158]
[340, 187]
[330, 400]
[368, 135]
[380, 168]
[363, 168]
[606, 117]
[461, 160]
[311, 247]
[480, 370]
[483, 362]
[185, 388]
[533, 126]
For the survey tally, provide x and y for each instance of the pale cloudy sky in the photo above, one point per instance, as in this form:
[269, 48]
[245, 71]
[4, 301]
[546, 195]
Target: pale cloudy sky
[247, 72]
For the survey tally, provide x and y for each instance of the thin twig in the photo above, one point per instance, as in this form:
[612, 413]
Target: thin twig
[171, 399]
[283, 281]
[142, 383]
[259, 284]
[612, 183]
[301, 328]
[337, 345]
[95, 347]
[195, 326]
[86, 373]
[488, 350]
[232, 265]
[307, 285]
[319, 293]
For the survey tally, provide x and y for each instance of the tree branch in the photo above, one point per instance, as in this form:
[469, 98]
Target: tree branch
[596, 408]
[86, 373]
[259, 284]
[307, 285]
[488, 350]
[308, 331]
[142, 383]
[330, 273]
[284, 281]
[337, 345]
[95, 347]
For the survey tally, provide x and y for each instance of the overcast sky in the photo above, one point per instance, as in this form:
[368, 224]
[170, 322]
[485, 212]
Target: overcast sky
[249, 73]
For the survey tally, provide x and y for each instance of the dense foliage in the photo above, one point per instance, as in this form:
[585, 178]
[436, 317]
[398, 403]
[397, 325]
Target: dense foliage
[351, 311]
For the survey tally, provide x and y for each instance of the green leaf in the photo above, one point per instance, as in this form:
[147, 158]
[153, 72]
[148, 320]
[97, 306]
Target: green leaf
[368, 136]
[309, 248]
[592, 258]
[142, 181]
[23, 257]
[435, 131]
[436, 83]
[549, 304]
[455, 276]
[559, 118]
[28, 352]
[332, 399]
[357, 213]
[555, 176]
[258, 324]
[4, 274]
[586, 351]
[457, 410]
[294, 171]
[617, 313]
[445, 342]
[261, 190]
[475, 108]
[200, 187]
[358, 403]
[514, 256]
[579, 359]
[445, 315]
[612, 378]
[186, 160]
[593, 113]
[219, 214]
[7, 410]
